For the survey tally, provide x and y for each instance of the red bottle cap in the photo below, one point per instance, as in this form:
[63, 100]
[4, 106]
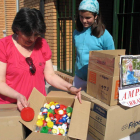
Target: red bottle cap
[27, 114]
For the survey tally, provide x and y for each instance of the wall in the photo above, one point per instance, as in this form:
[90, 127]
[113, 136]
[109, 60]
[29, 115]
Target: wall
[7, 12]
[29, 3]
[50, 16]
[2, 18]
[10, 11]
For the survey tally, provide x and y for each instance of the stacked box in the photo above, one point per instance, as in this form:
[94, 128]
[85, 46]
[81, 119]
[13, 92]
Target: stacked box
[10, 127]
[103, 75]
[111, 122]
[108, 120]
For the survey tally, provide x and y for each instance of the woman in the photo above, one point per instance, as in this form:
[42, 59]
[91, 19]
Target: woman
[25, 60]
[90, 35]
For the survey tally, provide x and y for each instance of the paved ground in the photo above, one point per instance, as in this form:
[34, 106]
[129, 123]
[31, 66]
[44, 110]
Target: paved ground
[50, 88]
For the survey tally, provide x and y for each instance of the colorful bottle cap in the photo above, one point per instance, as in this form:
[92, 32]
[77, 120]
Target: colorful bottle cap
[44, 130]
[27, 114]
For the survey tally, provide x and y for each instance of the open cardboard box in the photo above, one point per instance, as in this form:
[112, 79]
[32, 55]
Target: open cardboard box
[10, 127]
[106, 61]
[79, 121]
[112, 122]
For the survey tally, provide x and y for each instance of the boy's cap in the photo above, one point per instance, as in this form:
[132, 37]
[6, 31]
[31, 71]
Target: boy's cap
[89, 5]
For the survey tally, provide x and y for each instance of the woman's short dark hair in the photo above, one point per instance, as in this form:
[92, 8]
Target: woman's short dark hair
[97, 29]
[29, 21]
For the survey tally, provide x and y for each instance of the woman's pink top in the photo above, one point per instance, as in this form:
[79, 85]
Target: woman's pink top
[18, 75]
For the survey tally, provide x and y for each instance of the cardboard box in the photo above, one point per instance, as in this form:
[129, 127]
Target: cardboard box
[111, 122]
[79, 120]
[106, 61]
[103, 87]
[10, 127]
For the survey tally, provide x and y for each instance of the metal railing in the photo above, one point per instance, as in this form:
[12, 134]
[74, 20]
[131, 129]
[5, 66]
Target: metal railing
[126, 26]
[65, 28]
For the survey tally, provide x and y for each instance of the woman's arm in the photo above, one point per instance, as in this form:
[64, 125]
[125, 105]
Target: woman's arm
[8, 91]
[58, 82]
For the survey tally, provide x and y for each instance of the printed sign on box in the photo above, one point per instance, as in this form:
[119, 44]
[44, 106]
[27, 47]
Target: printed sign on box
[129, 97]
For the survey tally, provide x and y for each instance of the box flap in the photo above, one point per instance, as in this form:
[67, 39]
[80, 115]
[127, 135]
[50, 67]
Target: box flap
[43, 136]
[62, 97]
[61, 100]
[8, 106]
[79, 121]
[86, 96]
[68, 138]
[105, 58]
[7, 110]
[10, 127]
[100, 103]
[36, 101]
[110, 52]
[60, 94]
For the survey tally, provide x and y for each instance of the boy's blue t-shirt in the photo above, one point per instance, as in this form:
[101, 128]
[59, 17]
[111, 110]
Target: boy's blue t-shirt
[84, 43]
[130, 79]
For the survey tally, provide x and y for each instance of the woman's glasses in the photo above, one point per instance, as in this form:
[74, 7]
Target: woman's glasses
[31, 65]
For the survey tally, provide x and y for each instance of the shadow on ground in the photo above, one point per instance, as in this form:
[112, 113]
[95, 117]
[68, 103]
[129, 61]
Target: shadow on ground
[51, 88]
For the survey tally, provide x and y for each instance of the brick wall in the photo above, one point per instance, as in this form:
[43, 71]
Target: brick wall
[50, 16]
[7, 12]
[2, 18]
[10, 11]
[29, 3]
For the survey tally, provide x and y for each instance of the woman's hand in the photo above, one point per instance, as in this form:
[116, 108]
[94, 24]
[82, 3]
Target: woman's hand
[76, 92]
[22, 102]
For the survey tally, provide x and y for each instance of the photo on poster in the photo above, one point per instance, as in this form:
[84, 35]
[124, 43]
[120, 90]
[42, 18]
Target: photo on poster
[129, 71]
